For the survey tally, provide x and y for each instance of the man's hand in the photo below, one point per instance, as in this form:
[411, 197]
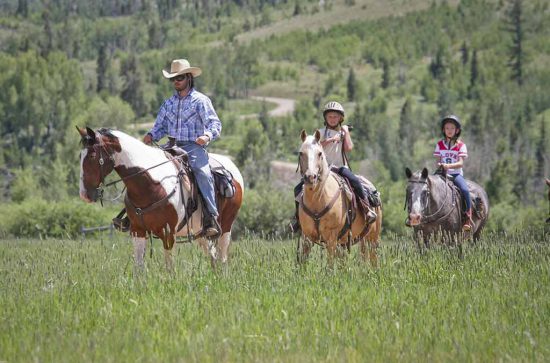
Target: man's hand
[443, 166]
[202, 140]
[147, 139]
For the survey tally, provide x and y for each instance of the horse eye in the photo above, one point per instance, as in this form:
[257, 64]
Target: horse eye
[320, 154]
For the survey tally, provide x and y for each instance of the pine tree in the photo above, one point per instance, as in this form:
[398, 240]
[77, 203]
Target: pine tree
[437, 66]
[47, 47]
[464, 53]
[133, 87]
[541, 151]
[515, 27]
[22, 8]
[385, 74]
[352, 85]
[474, 74]
[102, 68]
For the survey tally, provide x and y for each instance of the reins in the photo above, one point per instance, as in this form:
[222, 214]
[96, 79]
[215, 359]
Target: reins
[425, 219]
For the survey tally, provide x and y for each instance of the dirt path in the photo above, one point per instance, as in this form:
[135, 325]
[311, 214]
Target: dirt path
[285, 106]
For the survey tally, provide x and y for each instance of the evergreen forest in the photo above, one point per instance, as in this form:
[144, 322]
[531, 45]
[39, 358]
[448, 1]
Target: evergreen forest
[397, 66]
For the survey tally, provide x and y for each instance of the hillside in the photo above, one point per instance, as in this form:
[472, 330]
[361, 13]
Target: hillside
[397, 67]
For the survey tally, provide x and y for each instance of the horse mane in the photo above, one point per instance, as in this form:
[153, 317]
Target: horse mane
[106, 132]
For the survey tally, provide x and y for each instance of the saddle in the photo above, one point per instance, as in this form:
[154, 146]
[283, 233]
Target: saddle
[223, 179]
[370, 190]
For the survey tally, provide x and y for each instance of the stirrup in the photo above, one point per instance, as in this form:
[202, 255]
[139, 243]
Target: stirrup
[212, 229]
[370, 216]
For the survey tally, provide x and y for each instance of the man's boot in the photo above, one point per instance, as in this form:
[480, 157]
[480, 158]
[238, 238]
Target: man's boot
[211, 227]
[294, 224]
[468, 223]
[121, 223]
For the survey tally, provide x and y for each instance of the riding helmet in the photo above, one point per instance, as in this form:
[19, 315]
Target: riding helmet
[454, 119]
[333, 106]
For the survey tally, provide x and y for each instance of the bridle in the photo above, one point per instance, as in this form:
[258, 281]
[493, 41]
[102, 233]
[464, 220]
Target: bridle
[102, 175]
[302, 171]
[425, 219]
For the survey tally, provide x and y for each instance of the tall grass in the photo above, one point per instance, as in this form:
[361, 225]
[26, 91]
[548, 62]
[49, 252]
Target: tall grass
[66, 300]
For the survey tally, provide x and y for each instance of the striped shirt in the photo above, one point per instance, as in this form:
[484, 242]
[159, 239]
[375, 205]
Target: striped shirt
[187, 118]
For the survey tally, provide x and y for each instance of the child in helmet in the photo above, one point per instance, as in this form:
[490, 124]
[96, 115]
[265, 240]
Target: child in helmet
[450, 153]
[336, 141]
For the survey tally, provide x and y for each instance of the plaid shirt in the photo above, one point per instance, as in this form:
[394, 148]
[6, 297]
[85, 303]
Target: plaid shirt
[187, 118]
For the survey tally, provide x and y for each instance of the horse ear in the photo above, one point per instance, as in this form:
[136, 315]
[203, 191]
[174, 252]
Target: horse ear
[424, 173]
[81, 131]
[317, 135]
[303, 135]
[91, 133]
[408, 173]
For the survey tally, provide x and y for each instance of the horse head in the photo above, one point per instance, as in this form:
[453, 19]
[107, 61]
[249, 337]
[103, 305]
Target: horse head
[417, 199]
[96, 161]
[312, 161]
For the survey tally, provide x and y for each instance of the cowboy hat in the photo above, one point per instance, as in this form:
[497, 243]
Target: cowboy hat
[181, 66]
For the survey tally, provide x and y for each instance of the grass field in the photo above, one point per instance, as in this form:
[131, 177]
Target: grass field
[81, 301]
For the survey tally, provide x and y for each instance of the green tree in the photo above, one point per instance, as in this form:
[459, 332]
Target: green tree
[474, 74]
[253, 158]
[514, 22]
[102, 68]
[385, 74]
[464, 53]
[352, 85]
[22, 8]
[132, 91]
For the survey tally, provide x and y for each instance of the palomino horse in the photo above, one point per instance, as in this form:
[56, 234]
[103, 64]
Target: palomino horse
[324, 205]
[434, 206]
[156, 201]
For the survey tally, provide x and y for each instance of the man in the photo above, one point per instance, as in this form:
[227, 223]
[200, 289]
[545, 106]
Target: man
[189, 117]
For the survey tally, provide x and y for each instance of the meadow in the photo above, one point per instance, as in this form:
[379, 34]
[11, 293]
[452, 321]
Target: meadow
[82, 300]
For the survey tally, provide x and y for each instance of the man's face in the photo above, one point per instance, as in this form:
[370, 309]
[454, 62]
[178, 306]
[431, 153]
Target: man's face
[180, 82]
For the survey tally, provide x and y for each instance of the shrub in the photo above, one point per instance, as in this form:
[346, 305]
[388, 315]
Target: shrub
[39, 218]
[266, 211]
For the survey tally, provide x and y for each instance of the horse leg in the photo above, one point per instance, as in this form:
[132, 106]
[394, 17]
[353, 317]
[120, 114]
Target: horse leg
[139, 251]
[209, 249]
[331, 253]
[168, 241]
[373, 257]
[223, 246]
[302, 250]
[203, 243]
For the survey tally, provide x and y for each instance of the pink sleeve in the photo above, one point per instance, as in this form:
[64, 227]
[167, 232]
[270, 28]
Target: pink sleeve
[463, 152]
[437, 151]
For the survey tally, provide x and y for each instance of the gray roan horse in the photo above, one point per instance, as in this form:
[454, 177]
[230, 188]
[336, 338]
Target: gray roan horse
[435, 207]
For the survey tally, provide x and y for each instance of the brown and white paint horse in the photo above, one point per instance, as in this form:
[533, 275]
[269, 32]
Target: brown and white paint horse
[324, 197]
[151, 180]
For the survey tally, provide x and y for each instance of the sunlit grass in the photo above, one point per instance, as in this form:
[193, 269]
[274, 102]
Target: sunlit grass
[83, 301]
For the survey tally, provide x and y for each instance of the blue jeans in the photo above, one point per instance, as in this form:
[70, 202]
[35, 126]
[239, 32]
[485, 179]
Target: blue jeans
[198, 160]
[461, 184]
